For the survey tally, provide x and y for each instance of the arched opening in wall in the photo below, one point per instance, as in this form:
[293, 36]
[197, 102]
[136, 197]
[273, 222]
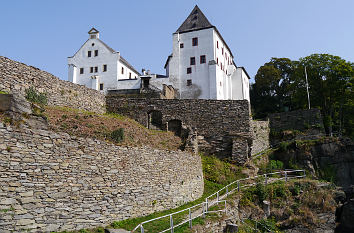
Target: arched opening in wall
[176, 127]
[155, 120]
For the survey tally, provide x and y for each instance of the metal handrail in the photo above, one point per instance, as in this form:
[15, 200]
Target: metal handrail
[208, 203]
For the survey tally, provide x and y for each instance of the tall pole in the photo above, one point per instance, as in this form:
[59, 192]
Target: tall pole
[307, 89]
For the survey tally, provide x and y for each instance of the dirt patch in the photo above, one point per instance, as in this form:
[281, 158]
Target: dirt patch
[91, 125]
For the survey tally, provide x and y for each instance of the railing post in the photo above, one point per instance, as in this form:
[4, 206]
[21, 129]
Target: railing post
[217, 196]
[304, 173]
[206, 204]
[227, 191]
[190, 218]
[171, 223]
[141, 229]
[266, 179]
[286, 176]
[238, 186]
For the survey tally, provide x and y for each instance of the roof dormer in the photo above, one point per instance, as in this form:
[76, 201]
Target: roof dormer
[94, 34]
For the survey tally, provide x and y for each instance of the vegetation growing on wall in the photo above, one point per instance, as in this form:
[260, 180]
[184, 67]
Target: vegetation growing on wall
[35, 96]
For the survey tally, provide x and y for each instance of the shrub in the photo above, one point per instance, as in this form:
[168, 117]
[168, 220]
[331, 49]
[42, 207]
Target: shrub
[275, 165]
[118, 135]
[36, 97]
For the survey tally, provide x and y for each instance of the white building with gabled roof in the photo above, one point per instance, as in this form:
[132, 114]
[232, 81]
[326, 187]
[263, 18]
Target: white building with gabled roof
[202, 65]
[99, 67]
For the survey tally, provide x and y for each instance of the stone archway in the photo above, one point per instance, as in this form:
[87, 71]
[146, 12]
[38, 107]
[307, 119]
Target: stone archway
[155, 120]
[175, 126]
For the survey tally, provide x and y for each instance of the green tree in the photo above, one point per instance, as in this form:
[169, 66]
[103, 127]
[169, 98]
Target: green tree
[270, 92]
[280, 84]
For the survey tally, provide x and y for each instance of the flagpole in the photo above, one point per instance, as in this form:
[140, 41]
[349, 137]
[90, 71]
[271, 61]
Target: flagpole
[307, 88]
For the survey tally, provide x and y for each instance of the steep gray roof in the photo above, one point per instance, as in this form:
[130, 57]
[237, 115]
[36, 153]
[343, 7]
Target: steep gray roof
[195, 21]
[128, 65]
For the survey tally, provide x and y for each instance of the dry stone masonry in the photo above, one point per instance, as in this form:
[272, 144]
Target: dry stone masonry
[216, 122]
[55, 182]
[16, 77]
[260, 136]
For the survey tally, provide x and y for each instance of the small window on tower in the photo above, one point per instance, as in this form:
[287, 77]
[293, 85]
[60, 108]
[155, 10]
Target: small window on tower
[189, 82]
[122, 70]
[96, 69]
[89, 53]
[189, 70]
[93, 36]
[81, 70]
[130, 75]
[195, 41]
[101, 86]
[96, 53]
[91, 69]
[192, 61]
[202, 59]
[181, 45]
[104, 68]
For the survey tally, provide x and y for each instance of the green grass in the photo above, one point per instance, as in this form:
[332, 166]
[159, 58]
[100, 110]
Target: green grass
[129, 224]
[3, 93]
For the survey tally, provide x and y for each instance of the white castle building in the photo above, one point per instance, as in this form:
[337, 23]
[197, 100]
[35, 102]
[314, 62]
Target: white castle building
[201, 65]
[99, 67]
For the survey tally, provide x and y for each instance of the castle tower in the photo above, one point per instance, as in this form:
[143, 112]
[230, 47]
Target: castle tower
[202, 65]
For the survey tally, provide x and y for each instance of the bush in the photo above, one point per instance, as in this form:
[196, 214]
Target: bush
[118, 135]
[36, 97]
[275, 165]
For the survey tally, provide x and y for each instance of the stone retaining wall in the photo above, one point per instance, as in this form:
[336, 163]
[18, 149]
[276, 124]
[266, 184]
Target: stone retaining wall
[260, 136]
[216, 122]
[296, 120]
[16, 77]
[56, 182]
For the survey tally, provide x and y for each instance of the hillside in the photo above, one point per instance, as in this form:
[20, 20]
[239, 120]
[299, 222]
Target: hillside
[100, 126]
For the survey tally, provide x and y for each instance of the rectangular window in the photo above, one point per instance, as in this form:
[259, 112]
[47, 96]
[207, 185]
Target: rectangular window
[181, 45]
[222, 51]
[89, 53]
[96, 69]
[202, 59]
[189, 70]
[101, 86]
[221, 66]
[189, 82]
[192, 61]
[96, 53]
[122, 70]
[130, 75]
[91, 69]
[195, 41]
[217, 60]
[217, 44]
[81, 70]
[104, 68]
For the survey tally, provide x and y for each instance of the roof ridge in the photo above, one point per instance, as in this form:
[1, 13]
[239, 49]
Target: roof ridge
[195, 21]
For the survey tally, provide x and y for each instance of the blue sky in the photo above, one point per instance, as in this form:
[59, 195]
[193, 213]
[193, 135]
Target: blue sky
[44, 33]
